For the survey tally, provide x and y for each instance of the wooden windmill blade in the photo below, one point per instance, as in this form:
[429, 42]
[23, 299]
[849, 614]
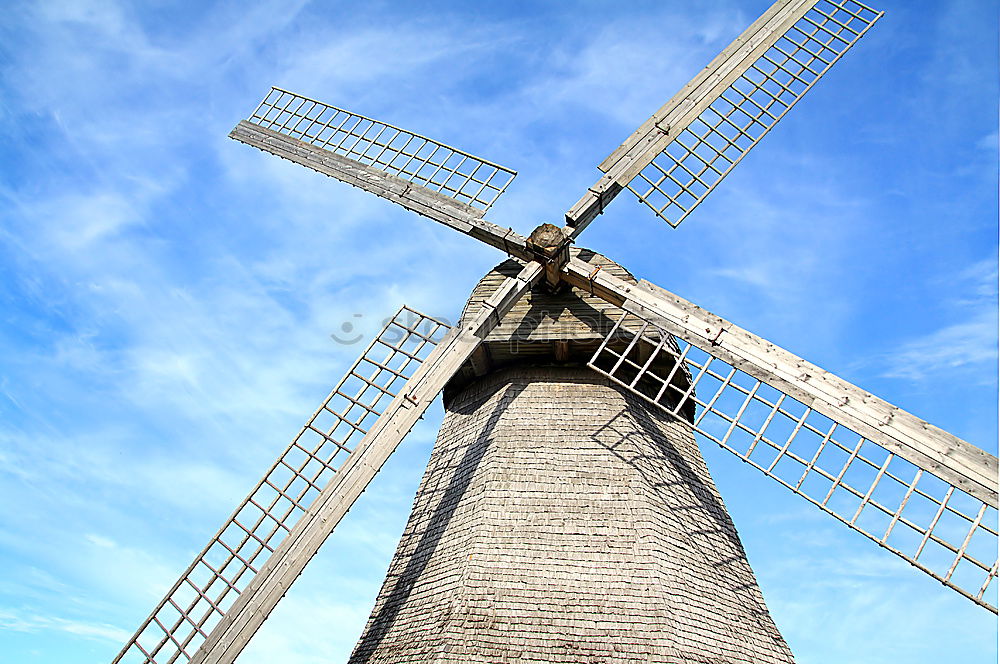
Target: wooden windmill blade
[679, 155]
[914, 489]
[222, 598]
[286, 495]
[425, 176]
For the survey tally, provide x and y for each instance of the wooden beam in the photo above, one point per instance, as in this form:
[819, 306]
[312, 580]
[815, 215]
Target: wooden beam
[647, 141]
[443, 209]
[698, 93]
[952, 459]
[666, 124]
[256, 602]
[481, 361]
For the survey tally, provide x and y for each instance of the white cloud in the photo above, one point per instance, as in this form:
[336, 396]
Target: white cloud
[988, 143]
[28, 622]
[965, 344]
[102, 542]
[588, 75]
[953, 348]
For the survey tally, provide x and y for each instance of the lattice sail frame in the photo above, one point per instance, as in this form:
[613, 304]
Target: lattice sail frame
[404, 154]
[211, 584]
[940, 529]
[704, 152]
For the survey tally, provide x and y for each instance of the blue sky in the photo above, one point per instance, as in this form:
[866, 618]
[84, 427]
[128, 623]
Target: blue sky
[167, 295]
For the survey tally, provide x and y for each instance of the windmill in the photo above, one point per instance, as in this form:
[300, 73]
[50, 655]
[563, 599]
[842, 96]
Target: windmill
[665, 351]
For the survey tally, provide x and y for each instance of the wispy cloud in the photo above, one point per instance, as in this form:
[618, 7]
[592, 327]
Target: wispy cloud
[837, 597]
[948, 350]
[968, 343]
[28, 622]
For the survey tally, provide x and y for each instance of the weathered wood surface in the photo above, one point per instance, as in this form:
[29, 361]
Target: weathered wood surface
[571, 313]
[234, 631]
[698, 93]
[954, 460]
[416, 198]
[561, 520]
[543, 327]
[647, 141]
[666, 124]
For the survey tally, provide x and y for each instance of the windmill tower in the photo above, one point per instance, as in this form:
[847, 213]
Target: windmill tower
[562, 519]
[622, 373]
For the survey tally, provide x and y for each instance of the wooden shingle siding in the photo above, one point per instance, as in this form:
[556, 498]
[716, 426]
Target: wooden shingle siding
[559, 520]
[540, 316]
[563, 328]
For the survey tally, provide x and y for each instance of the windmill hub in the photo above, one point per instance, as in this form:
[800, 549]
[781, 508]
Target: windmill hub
[550, 245]
[547, 239]
[563, 328]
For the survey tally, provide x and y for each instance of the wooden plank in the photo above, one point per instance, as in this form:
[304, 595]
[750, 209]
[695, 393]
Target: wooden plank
[567, 526]
[726, 55]
[480, 360]
[656, 133]
[680, 124]
[677, 119]
[936, 451]
[567, 314]
[647, 141]
[443, 209]
[256, 602]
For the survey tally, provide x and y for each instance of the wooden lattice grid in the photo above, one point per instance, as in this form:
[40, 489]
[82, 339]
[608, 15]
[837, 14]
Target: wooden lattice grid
[704, 152]
[935, 526]
[224, 568]
[412, 157]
